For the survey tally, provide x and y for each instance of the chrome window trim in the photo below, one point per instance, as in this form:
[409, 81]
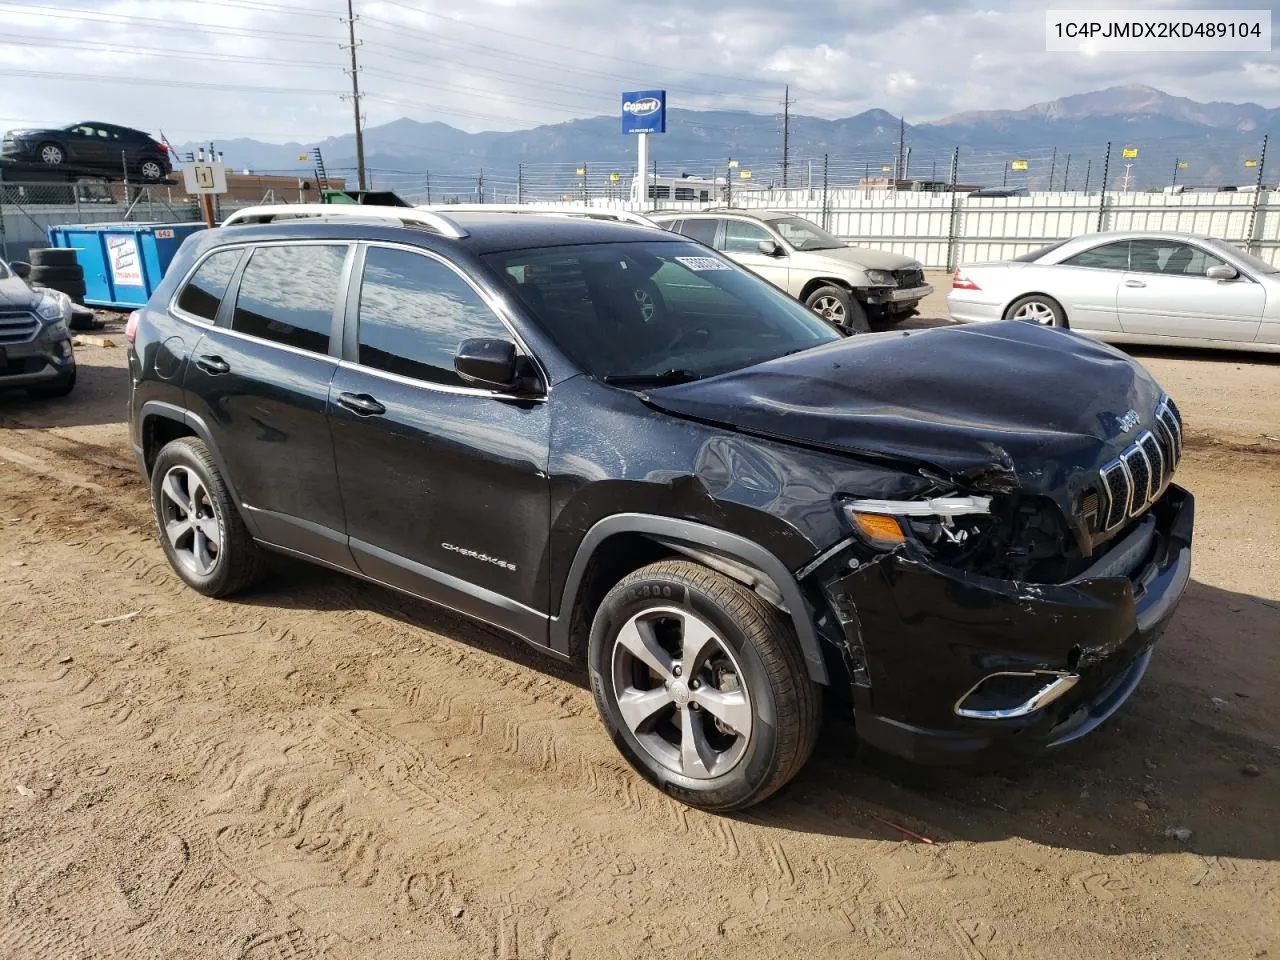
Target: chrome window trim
[250, 338]
[438, 387]
[250, 245]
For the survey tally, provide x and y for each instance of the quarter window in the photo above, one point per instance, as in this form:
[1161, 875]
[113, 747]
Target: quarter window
[288, 294]
[1109, 256]
[743, 237]
[203, 293]
[414, 311]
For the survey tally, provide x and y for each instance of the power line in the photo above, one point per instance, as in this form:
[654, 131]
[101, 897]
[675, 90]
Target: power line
[162, 82]
[122, 19]
[92, 46]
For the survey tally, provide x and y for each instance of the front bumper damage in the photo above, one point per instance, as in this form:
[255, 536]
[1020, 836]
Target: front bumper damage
[927, 645]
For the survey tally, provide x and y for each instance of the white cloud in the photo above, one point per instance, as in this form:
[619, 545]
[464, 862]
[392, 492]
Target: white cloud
[504, 64]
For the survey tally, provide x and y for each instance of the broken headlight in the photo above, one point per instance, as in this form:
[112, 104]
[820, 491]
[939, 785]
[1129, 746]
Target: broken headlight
[949, 523]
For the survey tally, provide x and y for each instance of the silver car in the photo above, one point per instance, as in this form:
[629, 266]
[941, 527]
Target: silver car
[848, 285]
[1158, 288]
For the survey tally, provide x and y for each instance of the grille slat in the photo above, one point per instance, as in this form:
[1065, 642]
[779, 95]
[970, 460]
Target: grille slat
[17, 326]
[1133, 481]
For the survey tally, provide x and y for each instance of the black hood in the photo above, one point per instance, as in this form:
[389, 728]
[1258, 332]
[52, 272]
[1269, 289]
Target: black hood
[997, 406]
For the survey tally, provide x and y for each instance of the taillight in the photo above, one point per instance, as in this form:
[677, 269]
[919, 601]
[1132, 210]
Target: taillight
[131, 328]
[164, 147]
[960, 282]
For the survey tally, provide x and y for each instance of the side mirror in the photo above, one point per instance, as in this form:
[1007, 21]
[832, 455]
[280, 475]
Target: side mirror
[488, 362]
[21, 268]
[770, 248]
[1222, 271]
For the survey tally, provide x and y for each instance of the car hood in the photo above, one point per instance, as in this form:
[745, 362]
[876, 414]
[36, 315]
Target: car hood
[996, 407]
[14, 292]
[866, 259]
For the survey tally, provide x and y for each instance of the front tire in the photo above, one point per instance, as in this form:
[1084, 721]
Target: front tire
[198, 524]
[1038, 309]
[702, 686]
[838, 306]
[51, 155]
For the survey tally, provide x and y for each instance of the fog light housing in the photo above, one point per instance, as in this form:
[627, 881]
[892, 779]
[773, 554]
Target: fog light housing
[1013, 693]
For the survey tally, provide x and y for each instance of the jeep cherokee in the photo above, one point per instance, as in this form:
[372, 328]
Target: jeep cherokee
[618, 445]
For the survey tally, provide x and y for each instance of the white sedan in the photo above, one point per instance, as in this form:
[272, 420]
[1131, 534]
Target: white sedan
[1157, 288]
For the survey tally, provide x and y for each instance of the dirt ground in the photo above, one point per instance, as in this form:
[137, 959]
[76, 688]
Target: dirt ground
[327, 769]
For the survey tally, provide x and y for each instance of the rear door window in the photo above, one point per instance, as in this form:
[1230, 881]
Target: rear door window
[288, 295]
[704, 231]
[203, 293]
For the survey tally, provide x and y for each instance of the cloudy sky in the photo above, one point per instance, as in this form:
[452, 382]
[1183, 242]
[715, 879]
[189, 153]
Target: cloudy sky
[274, 70]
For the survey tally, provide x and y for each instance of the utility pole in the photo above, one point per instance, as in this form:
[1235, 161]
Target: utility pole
[1088, 170]
[1173, 181]
[428, 176]
[355, 93]
[902, 146]
[1066, 173]
[786, 134]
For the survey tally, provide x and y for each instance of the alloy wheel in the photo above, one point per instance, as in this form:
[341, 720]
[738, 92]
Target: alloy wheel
[151, 170]
[51, 155]
[830, 308]
[190, 519]
[1035, 312]
[648, 309]
[681, 692]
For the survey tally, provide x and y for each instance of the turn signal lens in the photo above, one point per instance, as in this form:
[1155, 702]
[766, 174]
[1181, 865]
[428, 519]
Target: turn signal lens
[880, 530]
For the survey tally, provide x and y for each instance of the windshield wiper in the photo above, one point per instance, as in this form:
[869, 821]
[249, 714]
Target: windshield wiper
[665, 379]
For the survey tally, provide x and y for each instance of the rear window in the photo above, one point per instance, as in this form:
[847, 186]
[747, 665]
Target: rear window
[1035, 255]
[288, 295]
[203, 293]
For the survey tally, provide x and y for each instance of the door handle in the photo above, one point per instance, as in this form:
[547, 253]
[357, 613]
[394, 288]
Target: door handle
[361, 404]
[1134, 283]
[213, 365]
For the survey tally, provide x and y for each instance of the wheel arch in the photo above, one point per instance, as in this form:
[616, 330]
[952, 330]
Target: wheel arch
[161, 423]
[1004, 312]
[650, 537]
[818, 282]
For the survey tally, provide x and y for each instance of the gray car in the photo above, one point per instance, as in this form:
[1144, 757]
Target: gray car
[848, 285]
[35, 336]
[1179, 289]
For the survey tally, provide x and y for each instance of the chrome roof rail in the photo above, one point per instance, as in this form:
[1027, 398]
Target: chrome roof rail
[552, 210]
[408, 216]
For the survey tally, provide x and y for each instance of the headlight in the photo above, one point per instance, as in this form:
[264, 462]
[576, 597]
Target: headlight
[881, 278]
[887, 523]
[53, 305]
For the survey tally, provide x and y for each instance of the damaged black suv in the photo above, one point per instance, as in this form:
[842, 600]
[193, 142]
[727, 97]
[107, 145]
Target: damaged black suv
[622, 447]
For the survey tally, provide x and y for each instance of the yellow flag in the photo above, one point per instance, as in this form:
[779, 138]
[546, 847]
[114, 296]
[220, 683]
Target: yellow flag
[886, 168]
[1129, 153]
[1018, 165]
[733, 164]
[303, 156]
[613, 178]
[582, 171]
[745, 174]
[1182, 164]
[1251, 163]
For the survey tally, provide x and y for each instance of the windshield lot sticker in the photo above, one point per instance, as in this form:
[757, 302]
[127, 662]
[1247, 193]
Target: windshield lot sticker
[701, 264]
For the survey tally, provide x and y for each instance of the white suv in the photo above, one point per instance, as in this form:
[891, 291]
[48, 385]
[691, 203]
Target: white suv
[847, 285]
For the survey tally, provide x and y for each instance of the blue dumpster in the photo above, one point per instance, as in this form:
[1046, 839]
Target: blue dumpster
[123, 262]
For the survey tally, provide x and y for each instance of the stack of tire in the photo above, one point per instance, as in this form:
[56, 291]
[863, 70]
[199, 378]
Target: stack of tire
[58, 269]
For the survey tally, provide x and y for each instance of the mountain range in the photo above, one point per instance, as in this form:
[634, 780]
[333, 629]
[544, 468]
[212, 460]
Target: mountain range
[1214, 140]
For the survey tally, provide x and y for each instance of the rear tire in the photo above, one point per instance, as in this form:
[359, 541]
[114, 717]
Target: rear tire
[728, 715]
[151, 170]
[838, 306]
[1038, 309]
[199, 525]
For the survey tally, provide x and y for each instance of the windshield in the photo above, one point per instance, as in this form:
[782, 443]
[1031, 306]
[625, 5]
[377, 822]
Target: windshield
[1248, 260]
[804, 235]
[657, 311]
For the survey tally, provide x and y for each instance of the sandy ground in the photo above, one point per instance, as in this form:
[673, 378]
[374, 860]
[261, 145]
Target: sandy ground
[326, 769]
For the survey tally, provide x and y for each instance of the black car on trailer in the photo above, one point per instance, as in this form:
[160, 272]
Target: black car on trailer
[88, 149]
